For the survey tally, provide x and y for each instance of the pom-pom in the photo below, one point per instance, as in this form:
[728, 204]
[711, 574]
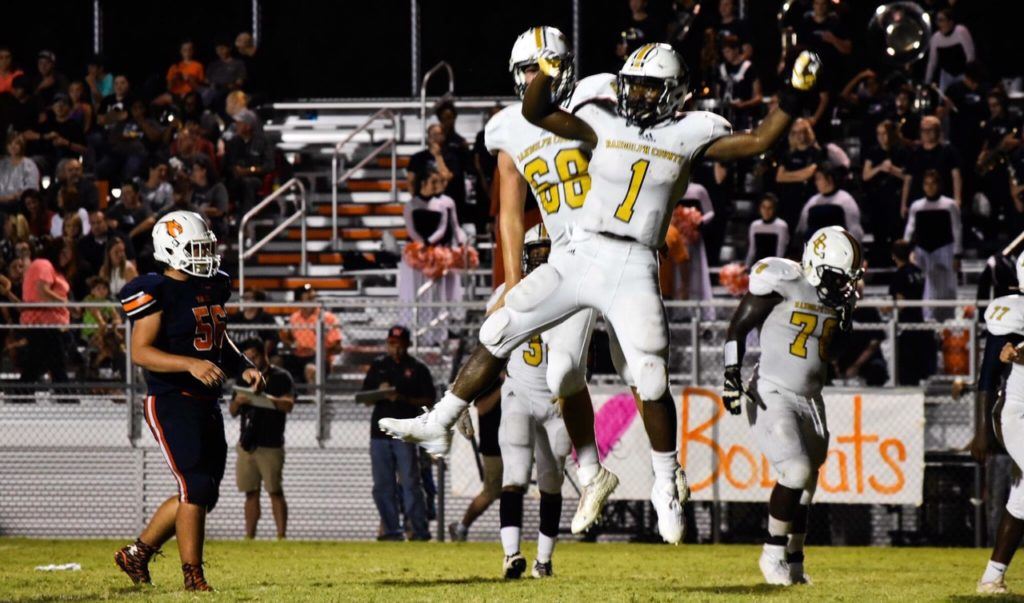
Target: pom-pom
[734, 278]
[687, 222]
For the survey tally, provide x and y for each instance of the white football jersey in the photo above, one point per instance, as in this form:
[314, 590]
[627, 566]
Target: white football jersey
[796, 335]
[637, 176]
[555, 168]
[528, 364]
[1005, 316]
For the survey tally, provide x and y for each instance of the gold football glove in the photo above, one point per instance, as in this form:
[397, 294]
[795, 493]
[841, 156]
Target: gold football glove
[805, 71]
[550, 63]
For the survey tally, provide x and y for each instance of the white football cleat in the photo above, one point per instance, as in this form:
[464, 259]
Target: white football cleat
[514, 566]
[542, 570]
[666, 499]
[797, 575]
[592, 500]
[423, 430]
[775, 569]
[993, 588]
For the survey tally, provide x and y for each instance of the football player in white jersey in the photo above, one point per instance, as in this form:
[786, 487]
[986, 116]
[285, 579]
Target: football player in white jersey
[798, 309]
[643, 150]
[531, 430]
[1005, 317]
[556, 170]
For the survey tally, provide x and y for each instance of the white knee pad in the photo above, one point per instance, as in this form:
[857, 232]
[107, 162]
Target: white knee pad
[563, 376]
[534, 289]
[796, 473]
[651, 378]
[1015, 503]
[550, 481]
[492, 332]
[645, 325]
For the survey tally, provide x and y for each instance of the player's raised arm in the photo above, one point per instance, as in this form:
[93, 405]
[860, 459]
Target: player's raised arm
[540, 109]
[755, 142]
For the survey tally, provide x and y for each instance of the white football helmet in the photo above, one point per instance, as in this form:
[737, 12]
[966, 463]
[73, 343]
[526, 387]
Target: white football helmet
[183, 241]
[832, 264]
[536, 247]
[526, 51]
[656, 66]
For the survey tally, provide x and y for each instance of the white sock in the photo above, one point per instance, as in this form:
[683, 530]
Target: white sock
[588, 463]
[776, 551]
[777, 527]
[796, 542]
[447, 411]
[993, 572]
[545, 547]
[665, 465]
[510, 540]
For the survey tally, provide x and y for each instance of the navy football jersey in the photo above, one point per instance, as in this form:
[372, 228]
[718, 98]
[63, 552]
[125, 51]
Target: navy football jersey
[192, 323]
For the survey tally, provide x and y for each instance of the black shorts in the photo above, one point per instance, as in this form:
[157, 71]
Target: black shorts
[190, 432]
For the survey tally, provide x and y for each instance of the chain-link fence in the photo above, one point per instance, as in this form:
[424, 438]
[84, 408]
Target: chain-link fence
[71, 420]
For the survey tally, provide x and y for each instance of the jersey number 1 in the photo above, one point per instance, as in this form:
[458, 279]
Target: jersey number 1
[211, 322]
[624, 211]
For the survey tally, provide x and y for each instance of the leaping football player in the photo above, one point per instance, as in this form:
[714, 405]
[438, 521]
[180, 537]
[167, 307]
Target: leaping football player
[556, 170]
[179, 324]
[798, 309]
[1005, 317]
[642, 155]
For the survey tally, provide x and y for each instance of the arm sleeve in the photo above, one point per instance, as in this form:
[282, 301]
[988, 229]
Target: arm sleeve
[749, 261]
[954, 219]
[985, 281]
[853, 218]
[967, 40]
[801, 226]
[442, 227]
[908, 232]
[30, 175]
[783, 239]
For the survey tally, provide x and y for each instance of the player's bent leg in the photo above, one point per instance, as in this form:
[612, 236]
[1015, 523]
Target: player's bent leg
[537, 303]
[1011, 526]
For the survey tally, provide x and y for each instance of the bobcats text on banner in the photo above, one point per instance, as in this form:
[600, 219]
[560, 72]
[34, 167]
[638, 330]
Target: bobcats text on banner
[875, 456]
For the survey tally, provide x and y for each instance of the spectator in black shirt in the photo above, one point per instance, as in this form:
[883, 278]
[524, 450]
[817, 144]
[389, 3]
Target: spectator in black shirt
[261, 441]
[821, 31]
[867, 101]
[882, 176]
[19, 111]
[485, 163]
[57, 137]
[210, 196]
[1001, 133]
[857, 353]
[48, 82]
[731, 26]
[915, 349]
[255, 315]
[92, 248]
[931, 154]
[70, 174]
[248, 158]
[257, 81]
[966, 107]
[795, 174]
[907, 121]
[643, 25]
[739, 87]
[127, 215]
[448, 163]
[413, 388]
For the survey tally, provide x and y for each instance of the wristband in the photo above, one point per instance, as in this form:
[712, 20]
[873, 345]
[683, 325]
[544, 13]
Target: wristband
[732, 353]
[790, 101]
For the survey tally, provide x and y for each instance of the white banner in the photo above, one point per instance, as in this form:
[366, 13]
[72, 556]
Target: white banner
[876, 449]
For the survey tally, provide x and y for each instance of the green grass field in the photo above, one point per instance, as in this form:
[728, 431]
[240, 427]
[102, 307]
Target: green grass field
[362, 571]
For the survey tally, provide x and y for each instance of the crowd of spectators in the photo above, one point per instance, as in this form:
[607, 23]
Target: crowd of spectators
[92, 162]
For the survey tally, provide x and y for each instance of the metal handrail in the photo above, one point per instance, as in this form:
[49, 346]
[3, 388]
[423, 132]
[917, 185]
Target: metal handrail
[336, 181]
[423, 92]
[299, 215]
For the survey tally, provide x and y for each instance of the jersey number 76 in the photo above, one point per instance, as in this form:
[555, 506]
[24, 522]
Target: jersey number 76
[808, 323]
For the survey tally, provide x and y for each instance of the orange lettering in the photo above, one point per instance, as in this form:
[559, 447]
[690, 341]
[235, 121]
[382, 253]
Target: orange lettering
[750, 461]
[858, 439]
[697, 436]
[766, 479]
[844, 483]
[901, 454]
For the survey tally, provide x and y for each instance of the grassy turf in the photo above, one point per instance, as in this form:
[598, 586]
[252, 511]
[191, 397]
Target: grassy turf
[360, 571]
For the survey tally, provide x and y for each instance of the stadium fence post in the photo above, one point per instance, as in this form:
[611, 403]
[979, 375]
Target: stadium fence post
[891, 358]
[695, 347]
[129, 385]
[441, 471]
[318, 395]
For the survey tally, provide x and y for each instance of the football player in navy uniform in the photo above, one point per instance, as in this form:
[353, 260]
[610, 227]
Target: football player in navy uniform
[178, 329]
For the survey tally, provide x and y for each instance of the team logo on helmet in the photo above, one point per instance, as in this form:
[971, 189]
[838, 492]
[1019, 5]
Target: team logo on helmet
[819, 246]
[174, 229]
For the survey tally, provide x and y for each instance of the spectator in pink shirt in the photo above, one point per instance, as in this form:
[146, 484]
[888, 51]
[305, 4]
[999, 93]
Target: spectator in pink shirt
[45, 281]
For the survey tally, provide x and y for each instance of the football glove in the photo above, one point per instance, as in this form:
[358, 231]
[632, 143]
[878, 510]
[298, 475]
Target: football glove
[733, 392]
[805, 71]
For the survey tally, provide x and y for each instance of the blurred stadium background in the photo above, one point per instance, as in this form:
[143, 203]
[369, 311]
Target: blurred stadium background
[344, 93]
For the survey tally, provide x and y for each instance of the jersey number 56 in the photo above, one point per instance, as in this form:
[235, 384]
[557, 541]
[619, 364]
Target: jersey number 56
[211, 322]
